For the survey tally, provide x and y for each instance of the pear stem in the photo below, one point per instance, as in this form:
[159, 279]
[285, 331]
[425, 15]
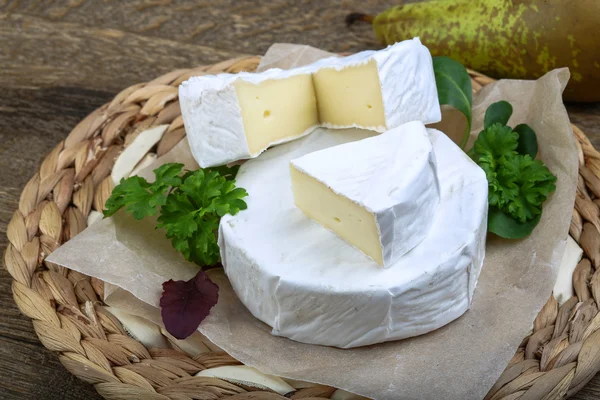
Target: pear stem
[355, 17]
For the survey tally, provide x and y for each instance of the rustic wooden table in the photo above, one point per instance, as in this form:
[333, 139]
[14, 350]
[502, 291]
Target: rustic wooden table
[61, 59]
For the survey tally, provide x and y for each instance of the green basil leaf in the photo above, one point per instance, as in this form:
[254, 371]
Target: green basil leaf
[497, 113]
[527, 140]
[505, 226]
[454, 89]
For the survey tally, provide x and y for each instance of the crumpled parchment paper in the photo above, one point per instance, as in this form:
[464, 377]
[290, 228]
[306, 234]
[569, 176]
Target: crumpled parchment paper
[459, 361]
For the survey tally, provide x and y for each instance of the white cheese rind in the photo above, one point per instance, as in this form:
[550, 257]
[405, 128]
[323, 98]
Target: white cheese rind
[407, 82]
[311, 286]
[392, 175]
[213, 118]
[216, 134]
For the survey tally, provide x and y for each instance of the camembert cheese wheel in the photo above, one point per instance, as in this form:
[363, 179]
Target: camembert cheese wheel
[380, 194]
[311, 286]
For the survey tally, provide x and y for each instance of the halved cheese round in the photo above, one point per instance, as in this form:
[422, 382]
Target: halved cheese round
[311, 286]
[230, 117]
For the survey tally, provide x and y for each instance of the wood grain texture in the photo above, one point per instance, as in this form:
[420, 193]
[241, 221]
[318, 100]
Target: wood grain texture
[241, 26]
[59, 60]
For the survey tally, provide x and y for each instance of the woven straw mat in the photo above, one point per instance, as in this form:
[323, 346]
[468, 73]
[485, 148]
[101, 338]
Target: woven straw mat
[555, 361]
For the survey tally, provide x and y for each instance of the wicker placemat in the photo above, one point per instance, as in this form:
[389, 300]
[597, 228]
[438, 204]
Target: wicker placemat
[556, 360]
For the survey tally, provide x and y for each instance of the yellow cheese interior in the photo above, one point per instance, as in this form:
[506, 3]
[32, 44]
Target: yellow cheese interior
[351, 96]
[337, 213]
[279, 109]
[276, 109]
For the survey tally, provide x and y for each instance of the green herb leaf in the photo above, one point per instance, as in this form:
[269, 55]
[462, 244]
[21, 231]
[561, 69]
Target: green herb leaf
[191, 214]
[527, 140]
[454, 89]
[190, 206]
[518, 185]
[140, 198]
[526, 185]
[497, 113]
[168, 174]
[507, 227]
[495, 142]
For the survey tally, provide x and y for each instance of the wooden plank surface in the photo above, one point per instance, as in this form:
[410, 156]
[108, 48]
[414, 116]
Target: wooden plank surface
[61, 59]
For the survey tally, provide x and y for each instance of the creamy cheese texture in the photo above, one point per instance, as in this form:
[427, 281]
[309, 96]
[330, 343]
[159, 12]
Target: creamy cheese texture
[276, 110]
[379, 194]
[350, 96]
[311, 286]
[229, 117]
[377, 90]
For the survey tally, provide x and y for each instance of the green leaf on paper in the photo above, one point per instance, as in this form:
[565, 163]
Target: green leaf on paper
[190, 205]
[141, 198]
[507, 227]
[518, 185]
[497, 113]
[528, 144]
[191, 213]
[454, 89]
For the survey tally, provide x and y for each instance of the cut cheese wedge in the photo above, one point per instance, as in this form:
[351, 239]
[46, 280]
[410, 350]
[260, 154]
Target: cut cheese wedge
[377, 90]
[230, 117]
[379, 194]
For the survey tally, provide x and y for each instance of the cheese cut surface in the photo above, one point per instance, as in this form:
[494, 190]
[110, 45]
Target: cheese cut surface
[401, 75]
[350, 96]
[337, 213]
[276, 110]
[230, 117]
[311, 286]
[379, 194]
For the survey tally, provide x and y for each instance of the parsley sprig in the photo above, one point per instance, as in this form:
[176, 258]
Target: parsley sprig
[190, 205]
[518, 185]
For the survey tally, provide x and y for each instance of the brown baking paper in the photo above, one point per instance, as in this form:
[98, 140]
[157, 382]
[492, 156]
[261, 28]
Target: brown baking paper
[459, 361]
